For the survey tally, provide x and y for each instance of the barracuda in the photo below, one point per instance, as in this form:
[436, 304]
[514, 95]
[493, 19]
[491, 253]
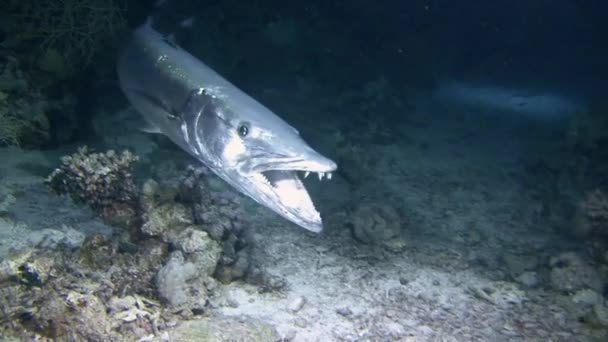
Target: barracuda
[239, 139]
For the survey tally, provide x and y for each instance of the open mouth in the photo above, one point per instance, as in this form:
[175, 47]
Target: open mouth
[291, 194]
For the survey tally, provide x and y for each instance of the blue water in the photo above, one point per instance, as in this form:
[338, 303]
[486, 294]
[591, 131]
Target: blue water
[470, 201]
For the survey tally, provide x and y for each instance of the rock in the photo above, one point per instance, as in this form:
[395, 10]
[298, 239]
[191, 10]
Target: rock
[224, 329]
[234, 271]
[344, 311]
[499, 293]
[180, 283]
[297, 304]
[290, 335]
[407, 278]
[37, 271]
[9, 268]
[67, 237]
[376, 224]
[528, 279]
[194, 239]
[587, 297]
[184, 281]
[300, 322]
[221, 216]
[154, 195]
[121, 304]
[27, 269]
[570, 273]
[206, 260]
[518, 264]
[73, 314]
[600, 312]
[166, 220]
[266, 282]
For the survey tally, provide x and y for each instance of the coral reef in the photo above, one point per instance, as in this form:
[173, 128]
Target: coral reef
[104, 181]
[183, 282]
[46, 47]
[78, 296]
[220, 214]
[204, 227]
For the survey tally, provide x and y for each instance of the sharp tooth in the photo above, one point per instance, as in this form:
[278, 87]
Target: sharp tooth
[321, 175]
[329, 175]
[306, 174]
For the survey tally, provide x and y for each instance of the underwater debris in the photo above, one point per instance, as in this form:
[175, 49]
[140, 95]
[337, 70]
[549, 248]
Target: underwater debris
[104, 181]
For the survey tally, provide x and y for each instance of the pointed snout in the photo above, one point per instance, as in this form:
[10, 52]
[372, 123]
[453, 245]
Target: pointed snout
[321, 163]
[312, 160]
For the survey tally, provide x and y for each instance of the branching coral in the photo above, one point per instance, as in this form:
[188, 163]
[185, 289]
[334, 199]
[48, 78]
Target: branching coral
[74, 28]
[104, 181]
[18, 130]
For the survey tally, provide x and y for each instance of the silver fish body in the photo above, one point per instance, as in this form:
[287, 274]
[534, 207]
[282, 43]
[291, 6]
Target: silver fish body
[238, 138]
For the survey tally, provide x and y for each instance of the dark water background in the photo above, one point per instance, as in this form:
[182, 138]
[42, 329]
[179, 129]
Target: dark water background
[481, 125]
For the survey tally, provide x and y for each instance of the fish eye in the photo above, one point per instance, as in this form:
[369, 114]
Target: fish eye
[243, 129]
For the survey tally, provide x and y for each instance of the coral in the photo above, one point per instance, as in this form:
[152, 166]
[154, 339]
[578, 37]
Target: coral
[181, 284]
[104, 181]
[75, 29]
[23, 111]
[83, 316]
[220, 214]
[166, 221]
[184, 281]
